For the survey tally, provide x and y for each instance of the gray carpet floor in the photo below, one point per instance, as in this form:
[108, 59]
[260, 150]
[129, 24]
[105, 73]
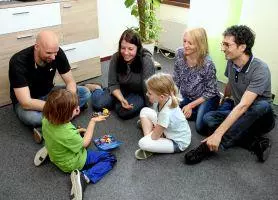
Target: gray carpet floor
[234, 174]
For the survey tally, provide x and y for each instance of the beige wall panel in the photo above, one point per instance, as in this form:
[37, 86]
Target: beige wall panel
[79, 21]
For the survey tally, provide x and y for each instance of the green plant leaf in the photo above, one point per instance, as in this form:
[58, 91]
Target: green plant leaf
[156, 3]
[129, 3]
[134, 11]
[145, 12]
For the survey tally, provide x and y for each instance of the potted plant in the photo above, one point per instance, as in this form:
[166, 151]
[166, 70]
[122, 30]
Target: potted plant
[145, 12]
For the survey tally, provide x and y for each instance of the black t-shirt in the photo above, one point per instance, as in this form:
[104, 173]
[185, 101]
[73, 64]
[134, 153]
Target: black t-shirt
[23, 72]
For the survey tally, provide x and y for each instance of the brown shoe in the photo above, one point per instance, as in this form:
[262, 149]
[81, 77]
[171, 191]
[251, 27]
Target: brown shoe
[37, 136]
[93, 86]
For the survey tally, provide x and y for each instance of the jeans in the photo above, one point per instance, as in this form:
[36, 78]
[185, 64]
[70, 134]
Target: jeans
[34, 118]
[199, 111]
[101, 98]
[98, 163]
[256, 121]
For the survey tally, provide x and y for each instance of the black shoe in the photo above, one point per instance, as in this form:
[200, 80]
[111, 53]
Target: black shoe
[78, 185]
[261, 147]
[197, 155]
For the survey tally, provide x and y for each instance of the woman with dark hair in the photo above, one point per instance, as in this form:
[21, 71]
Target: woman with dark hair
[128, 69]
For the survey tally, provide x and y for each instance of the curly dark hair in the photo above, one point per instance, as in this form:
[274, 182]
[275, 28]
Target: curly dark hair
[243, 35]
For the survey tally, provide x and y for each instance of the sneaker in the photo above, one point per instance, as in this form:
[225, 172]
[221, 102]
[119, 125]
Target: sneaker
[78, 185]
[37, 136]
[197, 155]
[261, 147]
[40, 156]
[139, 124]
[157, 65]
[141, 154]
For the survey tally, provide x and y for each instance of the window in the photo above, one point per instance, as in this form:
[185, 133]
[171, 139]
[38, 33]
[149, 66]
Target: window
[180, 3]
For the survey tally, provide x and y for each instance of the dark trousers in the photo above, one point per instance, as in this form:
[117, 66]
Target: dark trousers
[256, 121]
[199, 111]
[101, 98]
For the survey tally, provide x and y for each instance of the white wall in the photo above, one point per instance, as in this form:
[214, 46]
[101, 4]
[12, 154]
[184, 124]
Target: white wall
[173, 13]
[113, 19]
[262, 17]
[211, 15]
[173, 23]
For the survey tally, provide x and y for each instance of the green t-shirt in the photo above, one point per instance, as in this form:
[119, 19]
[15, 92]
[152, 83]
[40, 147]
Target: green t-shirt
[64, 145]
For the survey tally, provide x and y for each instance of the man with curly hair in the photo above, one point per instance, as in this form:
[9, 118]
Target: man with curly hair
[245, 112]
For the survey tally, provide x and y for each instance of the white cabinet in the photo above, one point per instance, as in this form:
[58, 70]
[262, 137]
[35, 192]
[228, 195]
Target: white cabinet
[75, 23]
[83, 58]
[82, 50]
[80, 38]
[29, 17]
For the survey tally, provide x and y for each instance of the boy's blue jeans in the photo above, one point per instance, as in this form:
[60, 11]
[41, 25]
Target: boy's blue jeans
[199, 111]
[101, 98]
[256, 121]
[34, 118]
[98, 163]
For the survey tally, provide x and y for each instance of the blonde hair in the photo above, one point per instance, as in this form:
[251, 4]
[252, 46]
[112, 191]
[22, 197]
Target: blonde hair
[59, 106]
[199, 37]
[163, 84]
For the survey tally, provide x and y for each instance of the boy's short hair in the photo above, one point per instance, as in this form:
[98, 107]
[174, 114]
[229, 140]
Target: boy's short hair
[59, 106]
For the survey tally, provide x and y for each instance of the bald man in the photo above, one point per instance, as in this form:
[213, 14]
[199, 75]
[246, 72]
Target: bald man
[31, 74]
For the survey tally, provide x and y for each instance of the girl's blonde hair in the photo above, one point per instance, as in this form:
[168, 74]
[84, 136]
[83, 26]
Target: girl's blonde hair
[59, 106]
[199, 37]
[163, 84]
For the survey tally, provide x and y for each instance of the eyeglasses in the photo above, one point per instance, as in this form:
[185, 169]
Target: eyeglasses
[226, 45]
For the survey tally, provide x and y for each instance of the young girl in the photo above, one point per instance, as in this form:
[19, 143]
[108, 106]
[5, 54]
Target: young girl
[65, 146]
[165, 128]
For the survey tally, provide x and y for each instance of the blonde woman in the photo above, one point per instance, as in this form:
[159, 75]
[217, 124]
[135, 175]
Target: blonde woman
[164, 126]
[195, 77]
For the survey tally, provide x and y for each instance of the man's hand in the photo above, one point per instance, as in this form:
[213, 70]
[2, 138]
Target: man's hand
[213, 141]
[126, 105]
[187, 111]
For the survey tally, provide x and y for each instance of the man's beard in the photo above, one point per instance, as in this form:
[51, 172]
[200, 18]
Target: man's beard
[41, 63]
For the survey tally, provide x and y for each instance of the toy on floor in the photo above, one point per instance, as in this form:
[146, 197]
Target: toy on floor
[107, 142]
[105, 112]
